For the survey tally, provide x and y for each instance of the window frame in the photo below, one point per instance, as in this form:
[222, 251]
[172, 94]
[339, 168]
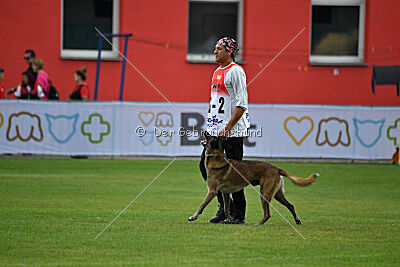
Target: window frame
[210, 58]
[84, 54]
[341, 60]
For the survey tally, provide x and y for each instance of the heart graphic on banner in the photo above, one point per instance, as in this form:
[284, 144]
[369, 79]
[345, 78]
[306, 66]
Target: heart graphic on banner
[298, 129]
[146, 117]
[148, 138]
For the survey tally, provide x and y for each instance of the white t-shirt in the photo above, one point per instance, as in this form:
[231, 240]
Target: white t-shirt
[225, 97]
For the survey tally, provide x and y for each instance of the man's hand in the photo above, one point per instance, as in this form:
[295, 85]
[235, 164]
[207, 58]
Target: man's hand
[237, 114]
[224, 133]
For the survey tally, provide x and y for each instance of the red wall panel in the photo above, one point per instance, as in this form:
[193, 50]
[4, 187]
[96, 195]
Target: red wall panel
[158, 50]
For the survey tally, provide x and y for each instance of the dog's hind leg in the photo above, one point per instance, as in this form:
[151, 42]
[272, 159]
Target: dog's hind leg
[280, 197]
[268, 188]
[265, 204]
[210, 195]
[266, 193]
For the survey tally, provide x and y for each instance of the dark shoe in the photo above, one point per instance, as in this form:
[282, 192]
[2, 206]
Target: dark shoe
[219, 217]
[233, 220]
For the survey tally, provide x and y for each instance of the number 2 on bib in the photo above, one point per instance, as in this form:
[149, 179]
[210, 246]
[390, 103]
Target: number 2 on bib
[221, 107]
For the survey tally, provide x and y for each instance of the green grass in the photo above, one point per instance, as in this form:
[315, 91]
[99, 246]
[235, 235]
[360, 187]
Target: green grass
[52, 209]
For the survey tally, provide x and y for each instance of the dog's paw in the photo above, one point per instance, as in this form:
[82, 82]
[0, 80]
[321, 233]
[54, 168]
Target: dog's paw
[191, 219]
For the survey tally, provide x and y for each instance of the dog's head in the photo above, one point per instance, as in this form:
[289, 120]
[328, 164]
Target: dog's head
[213, 144]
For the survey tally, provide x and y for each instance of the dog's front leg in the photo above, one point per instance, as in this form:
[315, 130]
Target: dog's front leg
[210, 195]
[227, 204]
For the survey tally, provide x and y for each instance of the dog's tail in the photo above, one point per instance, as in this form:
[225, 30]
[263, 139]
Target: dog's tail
[298, 180]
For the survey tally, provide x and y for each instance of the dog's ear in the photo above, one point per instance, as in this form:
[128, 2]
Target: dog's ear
[203, 142]
[207, 135]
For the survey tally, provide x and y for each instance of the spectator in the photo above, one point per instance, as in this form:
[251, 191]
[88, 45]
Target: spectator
[29, 58]
[2, 87]
[42, 84]
[81, 91]
[26, 90]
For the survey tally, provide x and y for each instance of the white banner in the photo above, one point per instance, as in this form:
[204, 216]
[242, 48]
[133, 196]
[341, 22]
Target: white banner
[130, 128]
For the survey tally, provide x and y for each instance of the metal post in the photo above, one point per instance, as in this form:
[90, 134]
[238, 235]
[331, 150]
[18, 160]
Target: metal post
[98, 68]
[119, 35]
[121, 90]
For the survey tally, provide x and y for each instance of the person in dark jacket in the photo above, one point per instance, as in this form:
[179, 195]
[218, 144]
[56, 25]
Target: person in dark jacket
[81, 90]
[29, 57]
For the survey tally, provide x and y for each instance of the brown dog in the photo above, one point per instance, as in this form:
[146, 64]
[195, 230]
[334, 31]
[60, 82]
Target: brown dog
[229, 176]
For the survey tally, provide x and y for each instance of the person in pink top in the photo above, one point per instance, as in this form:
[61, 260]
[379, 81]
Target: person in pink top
[42, 84]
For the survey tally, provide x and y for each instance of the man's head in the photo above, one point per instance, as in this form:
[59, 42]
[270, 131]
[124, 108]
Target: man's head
[225, 50]
[1, 74]
[29, 56]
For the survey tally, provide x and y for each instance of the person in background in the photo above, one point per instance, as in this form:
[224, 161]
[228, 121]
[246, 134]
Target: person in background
[26, 90]
[29, 57]
[81, 90]
[2, 87]
[42, 84]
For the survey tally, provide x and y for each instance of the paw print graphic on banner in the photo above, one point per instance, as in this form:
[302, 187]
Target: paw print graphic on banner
[24, 126]
[1, 120]
[333, 131]
[164, 120]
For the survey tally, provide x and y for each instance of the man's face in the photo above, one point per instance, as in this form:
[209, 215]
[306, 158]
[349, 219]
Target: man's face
[28, 58]
[221, 55]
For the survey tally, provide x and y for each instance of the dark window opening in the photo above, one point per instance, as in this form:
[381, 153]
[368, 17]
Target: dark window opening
[335, 30]
[80, 19]
[208, 22]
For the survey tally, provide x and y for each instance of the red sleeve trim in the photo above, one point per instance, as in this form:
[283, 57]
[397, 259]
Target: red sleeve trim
[84, 92]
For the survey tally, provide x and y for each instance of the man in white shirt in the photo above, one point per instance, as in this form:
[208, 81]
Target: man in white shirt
[228, 118]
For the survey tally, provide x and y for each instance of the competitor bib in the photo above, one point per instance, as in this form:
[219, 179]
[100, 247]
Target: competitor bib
[219, 111]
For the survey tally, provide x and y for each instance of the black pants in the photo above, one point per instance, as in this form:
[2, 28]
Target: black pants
[233, 147]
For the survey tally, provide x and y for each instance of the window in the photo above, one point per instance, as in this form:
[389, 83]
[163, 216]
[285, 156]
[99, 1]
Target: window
[78, 36]
[337, 32]
[208, 22]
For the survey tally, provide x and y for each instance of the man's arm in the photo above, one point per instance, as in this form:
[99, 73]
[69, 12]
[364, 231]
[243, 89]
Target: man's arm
[237, 114]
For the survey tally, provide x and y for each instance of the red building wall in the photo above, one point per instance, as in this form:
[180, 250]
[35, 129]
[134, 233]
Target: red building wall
[158, 49]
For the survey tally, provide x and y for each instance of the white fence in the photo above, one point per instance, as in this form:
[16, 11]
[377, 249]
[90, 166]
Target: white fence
[130, 128]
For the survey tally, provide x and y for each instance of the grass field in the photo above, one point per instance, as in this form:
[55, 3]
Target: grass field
[52, 209]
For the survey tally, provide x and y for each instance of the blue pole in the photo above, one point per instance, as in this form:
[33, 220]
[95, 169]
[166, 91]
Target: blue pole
[98, 68]
[121, 90]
